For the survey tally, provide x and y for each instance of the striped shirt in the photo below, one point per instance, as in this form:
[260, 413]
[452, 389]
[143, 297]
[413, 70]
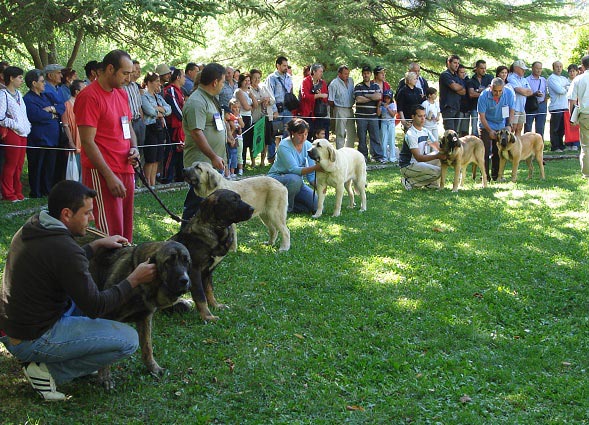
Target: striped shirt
[368, 109]
[132, 90]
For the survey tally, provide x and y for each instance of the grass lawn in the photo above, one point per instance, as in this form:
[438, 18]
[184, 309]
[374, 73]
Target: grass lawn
[431, 307]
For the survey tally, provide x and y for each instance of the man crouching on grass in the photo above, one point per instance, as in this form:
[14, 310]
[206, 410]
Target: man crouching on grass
[420, 165]
[49, 304]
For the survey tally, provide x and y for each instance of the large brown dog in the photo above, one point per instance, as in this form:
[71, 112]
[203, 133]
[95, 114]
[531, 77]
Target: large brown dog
[340, 169]
[110, 266]
[460, 152]
[208, 237]
[266, 195]
[516, 149]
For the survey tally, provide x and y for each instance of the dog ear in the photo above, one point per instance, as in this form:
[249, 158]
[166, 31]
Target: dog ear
[331, 152]
[511, 137]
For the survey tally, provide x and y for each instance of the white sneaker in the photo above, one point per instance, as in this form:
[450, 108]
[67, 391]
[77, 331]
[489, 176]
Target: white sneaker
[406, 183]
[41, 380]
[240, 172]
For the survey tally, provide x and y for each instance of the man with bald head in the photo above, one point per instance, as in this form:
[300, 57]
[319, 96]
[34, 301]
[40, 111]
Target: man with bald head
[558, 86]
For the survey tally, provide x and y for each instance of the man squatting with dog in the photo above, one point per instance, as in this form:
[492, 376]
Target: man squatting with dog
[50, 307]
[418, 167]
[495, 106]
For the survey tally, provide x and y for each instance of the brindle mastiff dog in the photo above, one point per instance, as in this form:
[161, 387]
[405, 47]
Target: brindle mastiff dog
[110, 266]
[459, 153]
[516, 149]
[208, 237]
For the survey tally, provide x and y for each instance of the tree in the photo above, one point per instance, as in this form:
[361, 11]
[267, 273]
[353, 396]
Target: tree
[358, 32]
[41, 25]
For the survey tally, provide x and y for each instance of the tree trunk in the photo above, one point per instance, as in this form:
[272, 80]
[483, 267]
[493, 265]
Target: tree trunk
[76, 48]
[34, 55]
[44, 56]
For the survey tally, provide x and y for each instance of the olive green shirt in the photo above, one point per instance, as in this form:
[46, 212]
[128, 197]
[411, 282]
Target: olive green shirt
[198, 113]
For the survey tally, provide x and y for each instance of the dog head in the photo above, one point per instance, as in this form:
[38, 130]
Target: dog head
[203, 178]
[449, 141]
[322, 149]
[173, 263]
[505, 138]
[224, 207]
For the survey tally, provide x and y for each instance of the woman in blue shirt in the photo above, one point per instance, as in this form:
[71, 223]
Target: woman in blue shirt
[292, 163]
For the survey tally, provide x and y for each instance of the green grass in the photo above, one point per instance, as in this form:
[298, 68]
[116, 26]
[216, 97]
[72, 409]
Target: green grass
[401, 311]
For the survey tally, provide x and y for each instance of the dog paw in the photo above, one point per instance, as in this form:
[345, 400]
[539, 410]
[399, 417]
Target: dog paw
[336, 214]
[455, 190]
[105, 379]
[362, 209]
[210, 318]
[316, 216]
[221, 306]
[155, 370]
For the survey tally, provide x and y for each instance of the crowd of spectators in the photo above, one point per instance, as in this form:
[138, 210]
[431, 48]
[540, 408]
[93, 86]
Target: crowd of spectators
[366, 114]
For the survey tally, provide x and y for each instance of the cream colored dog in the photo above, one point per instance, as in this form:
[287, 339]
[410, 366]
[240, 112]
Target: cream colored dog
[341, 168]
[516, 149]
[266, 195]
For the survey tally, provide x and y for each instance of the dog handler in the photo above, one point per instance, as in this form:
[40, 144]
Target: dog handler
[49, 304]
[292, 163]
[495, 106]
[418, 167]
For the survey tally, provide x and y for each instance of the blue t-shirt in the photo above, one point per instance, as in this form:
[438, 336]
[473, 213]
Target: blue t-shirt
[494, 110]
[290, 161]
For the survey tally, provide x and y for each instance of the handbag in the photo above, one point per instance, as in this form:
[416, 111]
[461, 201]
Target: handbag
[531, 104]
[71, 171]
[4, 130]
[291, 102]
[320, 109]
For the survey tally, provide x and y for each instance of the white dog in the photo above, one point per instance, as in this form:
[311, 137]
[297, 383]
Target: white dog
[266, 195]
[341, 168]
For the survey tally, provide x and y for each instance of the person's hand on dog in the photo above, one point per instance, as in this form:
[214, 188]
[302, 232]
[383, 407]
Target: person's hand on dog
[109, 242]
[441, 156]
[145, 272]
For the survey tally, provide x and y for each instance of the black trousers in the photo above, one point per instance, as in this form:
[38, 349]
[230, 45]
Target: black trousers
[41, 171]
[490, 150]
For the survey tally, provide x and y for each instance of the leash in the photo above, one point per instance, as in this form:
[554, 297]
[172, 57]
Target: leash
[101, 234]
[141, 175]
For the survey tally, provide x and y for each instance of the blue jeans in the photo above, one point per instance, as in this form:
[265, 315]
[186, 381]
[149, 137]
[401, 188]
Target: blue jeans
[301, 198]
[540, 117]
[370, 125]
[77, 346]
[474, 122]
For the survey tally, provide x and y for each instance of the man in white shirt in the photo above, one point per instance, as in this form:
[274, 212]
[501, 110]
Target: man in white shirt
[578, 94]
[341, 99]
[419, 168]
[558, 85]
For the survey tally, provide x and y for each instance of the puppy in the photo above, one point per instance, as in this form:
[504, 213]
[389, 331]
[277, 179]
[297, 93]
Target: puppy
[266, 195]
[460, 152]
[340, 168]
[110, 266]
[516, 149]
[208, 237]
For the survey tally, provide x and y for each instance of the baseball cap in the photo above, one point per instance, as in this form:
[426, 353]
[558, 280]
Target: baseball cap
[388, 93]
[520, 64]
[379, 69]
[162, 69]
[366, 68]
[52, 67]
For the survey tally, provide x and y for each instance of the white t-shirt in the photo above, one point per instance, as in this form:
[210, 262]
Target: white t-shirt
[431, 112]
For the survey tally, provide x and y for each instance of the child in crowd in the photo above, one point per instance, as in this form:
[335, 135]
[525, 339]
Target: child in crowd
[235, 124]
[432, 112]
[319, 134]
[388, 111]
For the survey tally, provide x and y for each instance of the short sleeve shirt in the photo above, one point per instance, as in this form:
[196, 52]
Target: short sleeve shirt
[199, 113]
[413, 139]
[104, 111]
[494, 112]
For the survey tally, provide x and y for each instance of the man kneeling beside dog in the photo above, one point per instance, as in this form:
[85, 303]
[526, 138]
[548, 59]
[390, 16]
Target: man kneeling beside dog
[46, 278]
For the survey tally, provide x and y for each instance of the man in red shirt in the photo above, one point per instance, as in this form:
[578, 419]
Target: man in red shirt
[109, 145]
